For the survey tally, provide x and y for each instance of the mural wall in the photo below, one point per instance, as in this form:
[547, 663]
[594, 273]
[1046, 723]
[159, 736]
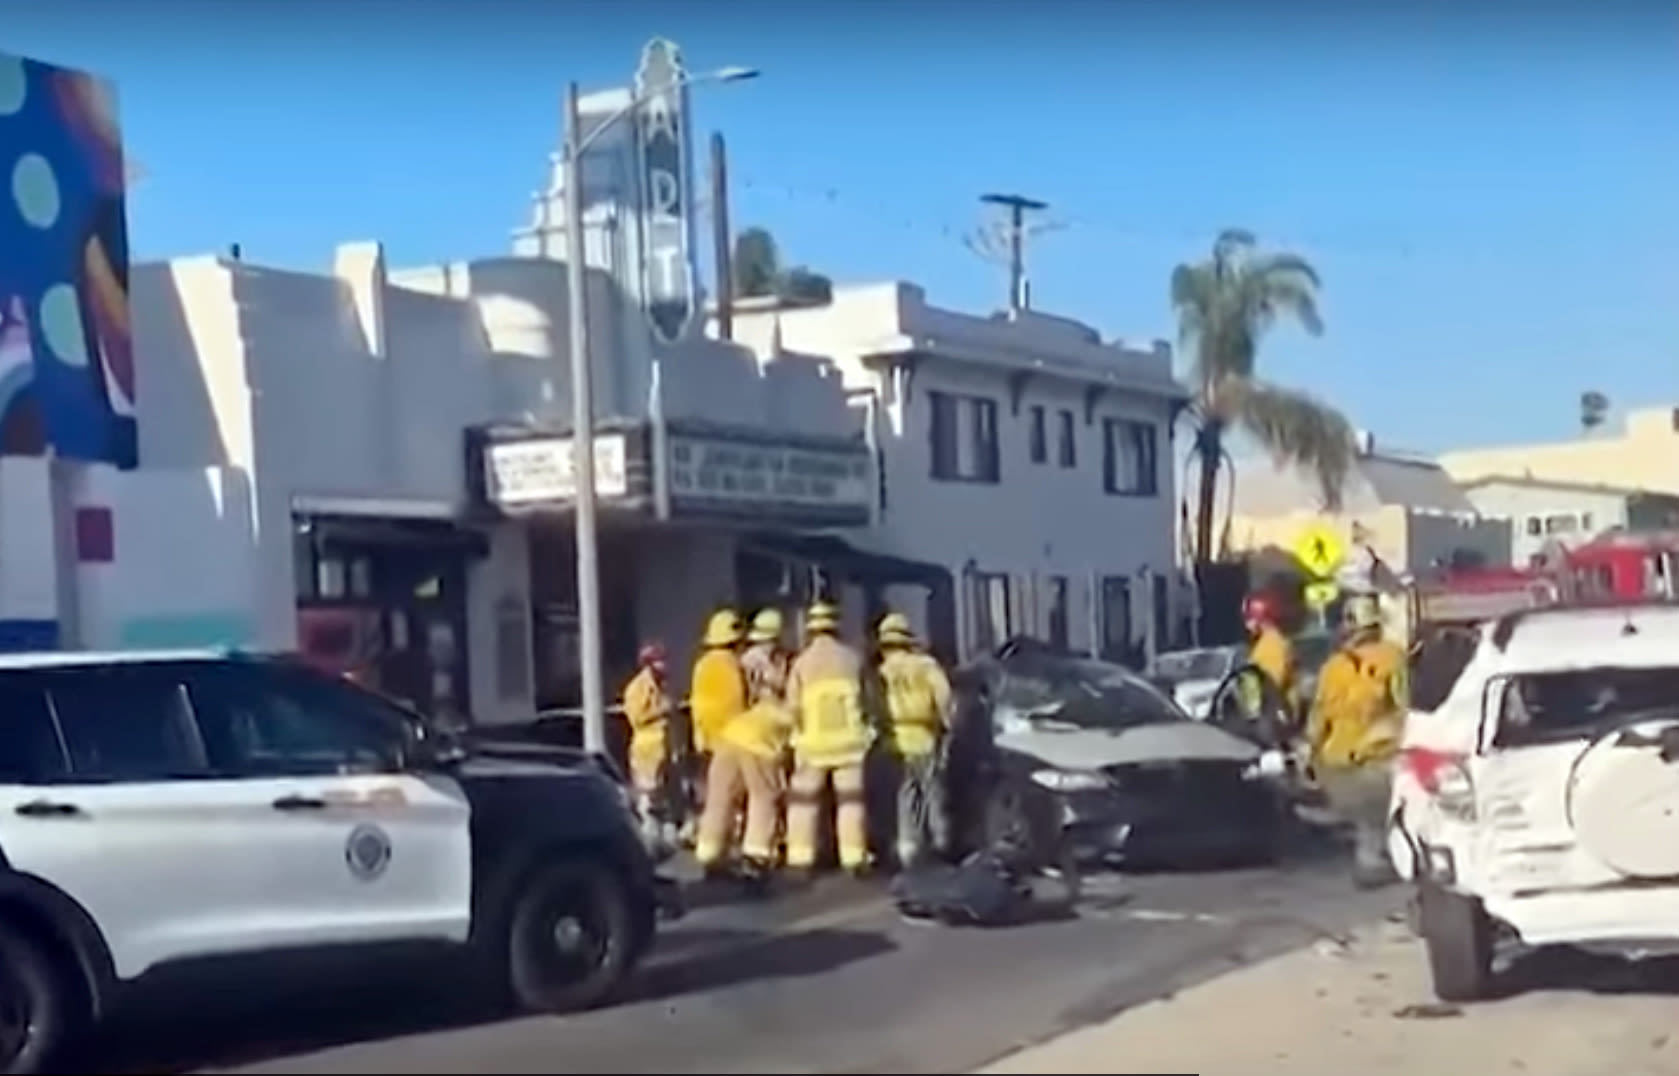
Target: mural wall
[66, 351]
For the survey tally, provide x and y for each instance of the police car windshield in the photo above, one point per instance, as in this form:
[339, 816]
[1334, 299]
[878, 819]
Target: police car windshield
[1080, 691]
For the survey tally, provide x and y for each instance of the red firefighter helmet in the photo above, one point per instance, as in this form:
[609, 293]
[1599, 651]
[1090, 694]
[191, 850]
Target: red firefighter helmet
[1258, 609]
[651, 656]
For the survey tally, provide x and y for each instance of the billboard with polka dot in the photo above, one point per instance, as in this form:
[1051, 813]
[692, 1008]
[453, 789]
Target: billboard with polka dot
[66, 352]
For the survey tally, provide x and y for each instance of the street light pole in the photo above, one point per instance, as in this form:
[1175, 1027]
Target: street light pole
[583, 438]
[583, 402]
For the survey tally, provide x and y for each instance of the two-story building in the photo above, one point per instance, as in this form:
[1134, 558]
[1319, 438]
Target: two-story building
[1544, 512]
[1020, 452]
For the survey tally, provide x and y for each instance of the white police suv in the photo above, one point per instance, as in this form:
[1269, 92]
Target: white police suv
[157, 809]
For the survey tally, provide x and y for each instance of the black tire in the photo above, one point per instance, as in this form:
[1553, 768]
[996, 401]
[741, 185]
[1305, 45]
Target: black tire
[570, 937]
[1459, 938]
[36, 1005]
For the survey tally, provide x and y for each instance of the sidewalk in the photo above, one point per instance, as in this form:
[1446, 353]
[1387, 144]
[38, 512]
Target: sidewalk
[1366, 1008]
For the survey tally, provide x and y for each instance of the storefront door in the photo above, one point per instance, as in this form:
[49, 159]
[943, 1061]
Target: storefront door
[394, 616]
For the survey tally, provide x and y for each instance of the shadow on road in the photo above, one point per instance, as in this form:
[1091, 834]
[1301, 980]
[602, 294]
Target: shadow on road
[793, 956]
[1574, 970]
[181, 1031]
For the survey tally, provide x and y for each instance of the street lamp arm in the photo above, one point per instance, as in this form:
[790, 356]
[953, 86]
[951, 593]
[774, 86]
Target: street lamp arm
[637, 100]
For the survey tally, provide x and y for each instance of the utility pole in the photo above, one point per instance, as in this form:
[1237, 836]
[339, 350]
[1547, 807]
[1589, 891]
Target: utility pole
[583, 435]
[1017, 205]
[721, 241]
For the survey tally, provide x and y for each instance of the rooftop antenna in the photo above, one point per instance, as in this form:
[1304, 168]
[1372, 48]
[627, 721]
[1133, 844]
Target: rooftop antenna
[1004, 241]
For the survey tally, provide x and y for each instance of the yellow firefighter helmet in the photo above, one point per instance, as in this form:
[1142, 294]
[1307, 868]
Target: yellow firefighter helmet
[821, 617]
[894, 630]
[723, 629]
[766, 626]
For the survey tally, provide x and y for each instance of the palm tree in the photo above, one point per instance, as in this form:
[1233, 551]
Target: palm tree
[1594, 410]
[1225, 305]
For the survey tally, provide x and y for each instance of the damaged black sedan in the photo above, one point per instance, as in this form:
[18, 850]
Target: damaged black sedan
[1134, 780]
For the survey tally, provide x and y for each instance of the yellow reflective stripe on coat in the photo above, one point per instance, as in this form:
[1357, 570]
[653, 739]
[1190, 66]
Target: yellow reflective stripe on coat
[913, 707]
[831, 725]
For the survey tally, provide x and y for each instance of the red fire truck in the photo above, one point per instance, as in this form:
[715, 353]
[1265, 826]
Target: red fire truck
[1619, 565]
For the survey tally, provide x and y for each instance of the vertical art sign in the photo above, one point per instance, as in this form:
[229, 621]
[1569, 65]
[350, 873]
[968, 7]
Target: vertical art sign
[662, 141]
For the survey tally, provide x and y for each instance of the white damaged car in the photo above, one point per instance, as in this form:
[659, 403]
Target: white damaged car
[1537, 799]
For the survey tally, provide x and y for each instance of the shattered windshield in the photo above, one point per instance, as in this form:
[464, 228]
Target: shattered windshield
[1078, 691]
[1182, 665]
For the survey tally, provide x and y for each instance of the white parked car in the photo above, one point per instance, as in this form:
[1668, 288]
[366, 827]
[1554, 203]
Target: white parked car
[1195, 675]
[1538, 799]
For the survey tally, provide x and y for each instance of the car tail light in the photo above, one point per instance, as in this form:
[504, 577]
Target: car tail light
[1444, 775]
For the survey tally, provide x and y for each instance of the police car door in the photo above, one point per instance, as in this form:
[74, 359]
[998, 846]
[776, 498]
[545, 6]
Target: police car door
[107, 798]
[374, 851]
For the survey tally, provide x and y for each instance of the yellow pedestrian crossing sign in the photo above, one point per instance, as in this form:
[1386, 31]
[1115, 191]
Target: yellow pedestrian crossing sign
[1320, 550]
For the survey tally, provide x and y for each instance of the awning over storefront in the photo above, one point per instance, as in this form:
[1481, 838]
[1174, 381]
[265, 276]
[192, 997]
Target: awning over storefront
[400, 533]
[839, 557]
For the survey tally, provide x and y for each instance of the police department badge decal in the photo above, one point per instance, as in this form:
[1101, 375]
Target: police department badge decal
[367, 852]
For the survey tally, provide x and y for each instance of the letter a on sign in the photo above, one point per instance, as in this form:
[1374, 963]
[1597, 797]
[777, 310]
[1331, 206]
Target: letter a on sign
[661, 133]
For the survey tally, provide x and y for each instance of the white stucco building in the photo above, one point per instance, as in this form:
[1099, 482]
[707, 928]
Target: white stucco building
[395, 448]
[1019, 452]
[1543, 512]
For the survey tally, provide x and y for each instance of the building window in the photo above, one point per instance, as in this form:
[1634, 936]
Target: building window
[1130, 458]
[1585, 521]
[1116, 618]
[1058, 634]
[963, 432]
[1535, 526]
[991, 610]
[1069, 447]
[1040, 436]
[1561, 523]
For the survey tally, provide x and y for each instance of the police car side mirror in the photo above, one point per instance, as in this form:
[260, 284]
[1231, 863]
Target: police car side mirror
[432, 748]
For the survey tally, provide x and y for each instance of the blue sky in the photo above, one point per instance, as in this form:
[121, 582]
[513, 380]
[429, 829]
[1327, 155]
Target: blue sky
[1491, 189]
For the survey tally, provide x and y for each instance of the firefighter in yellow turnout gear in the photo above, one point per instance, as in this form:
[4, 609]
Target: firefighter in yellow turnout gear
[648, 709]
[717, 698]
[1354, 732]
[758, 740]
[1271, 652]
[831, 738]
[914, 726]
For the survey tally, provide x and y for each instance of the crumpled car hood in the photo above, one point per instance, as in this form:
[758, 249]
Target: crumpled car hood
[1091, 749]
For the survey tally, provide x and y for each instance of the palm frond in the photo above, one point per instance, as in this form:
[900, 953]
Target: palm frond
[1226, 303]
[1297, 429]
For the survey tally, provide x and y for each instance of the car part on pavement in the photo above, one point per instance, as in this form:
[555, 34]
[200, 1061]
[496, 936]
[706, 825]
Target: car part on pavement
[1459, 939]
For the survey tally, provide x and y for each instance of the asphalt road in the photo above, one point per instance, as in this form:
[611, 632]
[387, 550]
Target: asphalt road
[829, 981]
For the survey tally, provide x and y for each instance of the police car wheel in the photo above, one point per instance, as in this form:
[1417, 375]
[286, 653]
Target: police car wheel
[570, 939]
[34, 1005]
